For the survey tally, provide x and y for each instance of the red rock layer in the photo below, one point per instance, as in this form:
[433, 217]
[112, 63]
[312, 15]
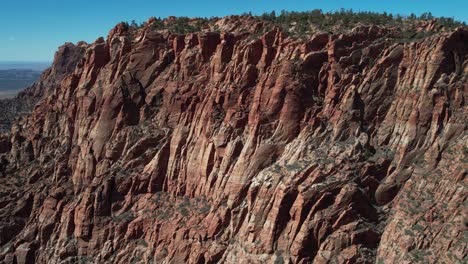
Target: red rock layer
[242, 147]
[66, 59]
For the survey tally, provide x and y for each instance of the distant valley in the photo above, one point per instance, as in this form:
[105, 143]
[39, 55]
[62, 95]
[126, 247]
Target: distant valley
[16, 76]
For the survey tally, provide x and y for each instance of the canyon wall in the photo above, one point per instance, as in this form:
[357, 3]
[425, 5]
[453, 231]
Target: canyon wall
[245, 146]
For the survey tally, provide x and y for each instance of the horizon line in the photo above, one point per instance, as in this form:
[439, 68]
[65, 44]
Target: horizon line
[24, 61]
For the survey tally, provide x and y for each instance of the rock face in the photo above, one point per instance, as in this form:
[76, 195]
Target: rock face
[240, 147]
[65, 62]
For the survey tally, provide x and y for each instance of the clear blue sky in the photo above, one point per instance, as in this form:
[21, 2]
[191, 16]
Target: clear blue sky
[33, 29]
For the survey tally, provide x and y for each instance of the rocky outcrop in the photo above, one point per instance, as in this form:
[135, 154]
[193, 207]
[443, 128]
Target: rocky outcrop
[66, 59]
[246, 146]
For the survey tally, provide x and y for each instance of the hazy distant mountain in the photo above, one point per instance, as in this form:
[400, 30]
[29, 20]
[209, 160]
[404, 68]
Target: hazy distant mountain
[35, 66]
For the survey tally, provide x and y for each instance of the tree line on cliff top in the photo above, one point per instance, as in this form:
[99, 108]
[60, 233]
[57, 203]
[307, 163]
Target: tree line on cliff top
[301, 23]
[349, 18]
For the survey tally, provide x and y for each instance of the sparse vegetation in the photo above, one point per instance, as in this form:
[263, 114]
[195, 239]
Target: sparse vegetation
[418, 227]
[279, 260]
[218, 113]
[183, 211]
[142, 242]
[180, 25]
[183, 208]
[205, 209]
[124, 217]
[302, 24]
[293, 166]
[367, 153]
[135, 260]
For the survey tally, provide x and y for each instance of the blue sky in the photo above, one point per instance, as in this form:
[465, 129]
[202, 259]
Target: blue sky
[33, 29]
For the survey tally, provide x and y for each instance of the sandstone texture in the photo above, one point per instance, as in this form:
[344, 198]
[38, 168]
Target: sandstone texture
[241, 146]
[65, 61]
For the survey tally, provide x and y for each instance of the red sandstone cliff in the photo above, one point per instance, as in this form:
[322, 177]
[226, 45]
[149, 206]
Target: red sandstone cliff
[242, 147]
